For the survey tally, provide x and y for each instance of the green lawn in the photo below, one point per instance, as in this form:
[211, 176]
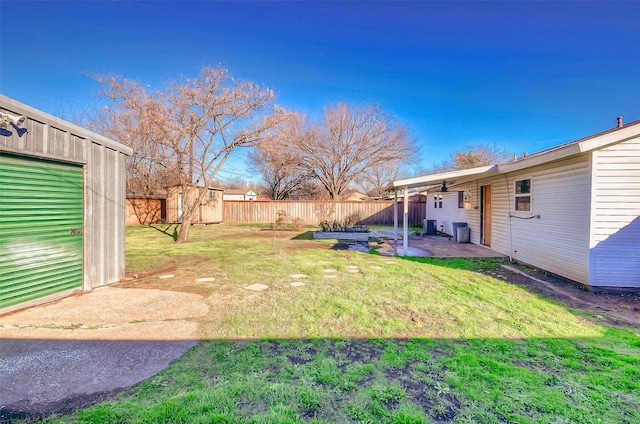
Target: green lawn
[369, 339]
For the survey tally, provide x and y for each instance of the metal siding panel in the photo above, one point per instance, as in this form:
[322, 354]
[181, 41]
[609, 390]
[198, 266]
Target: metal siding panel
[98, 217]
[108, 217]
[57, 140]
[40, 202]
[112, 216]
[122, 196]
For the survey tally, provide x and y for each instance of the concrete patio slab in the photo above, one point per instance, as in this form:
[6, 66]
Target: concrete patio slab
[437, 247]
[411, 251]
[442, 247]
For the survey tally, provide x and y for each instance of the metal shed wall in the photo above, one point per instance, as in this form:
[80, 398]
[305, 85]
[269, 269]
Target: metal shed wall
[47, 137]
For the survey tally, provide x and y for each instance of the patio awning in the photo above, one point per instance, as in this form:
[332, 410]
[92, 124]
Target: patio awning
[454, 177]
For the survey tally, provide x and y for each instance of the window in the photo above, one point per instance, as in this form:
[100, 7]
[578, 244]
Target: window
[213, 194]
[464, 199]
[523, 195]
[437, 201]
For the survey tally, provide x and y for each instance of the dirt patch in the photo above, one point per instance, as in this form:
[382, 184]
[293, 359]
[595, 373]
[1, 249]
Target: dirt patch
[284, 233]
[185, 271]
[314, 245]
[111, 313]
[614, 307]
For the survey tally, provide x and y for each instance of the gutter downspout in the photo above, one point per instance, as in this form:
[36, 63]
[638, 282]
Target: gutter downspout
[506, 182]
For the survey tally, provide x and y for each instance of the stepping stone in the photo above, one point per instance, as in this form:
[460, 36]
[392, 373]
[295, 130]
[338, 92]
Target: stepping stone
[353, 267]
[376, 267]
[330, 276]
[353, 270]
[257, 287]
[299, 276]
[330, 271]
[205, 279]
[297, 284]
[166, 276]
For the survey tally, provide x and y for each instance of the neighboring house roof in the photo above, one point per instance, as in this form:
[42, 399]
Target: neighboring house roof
[583, 145]
[240, 191]
[354, 195]
[146, 196]
[210, 187]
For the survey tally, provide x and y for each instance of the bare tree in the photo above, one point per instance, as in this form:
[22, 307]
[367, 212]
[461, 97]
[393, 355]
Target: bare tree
[375, 181]
[151, 168]
[471, 157]
[238, 183]
[347, 143]
[282, 170]
[191, 127]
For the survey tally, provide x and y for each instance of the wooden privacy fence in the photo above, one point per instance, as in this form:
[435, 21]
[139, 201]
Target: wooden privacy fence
[313, 212]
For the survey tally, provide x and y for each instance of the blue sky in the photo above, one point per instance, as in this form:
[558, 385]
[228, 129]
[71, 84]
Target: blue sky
[523, 76]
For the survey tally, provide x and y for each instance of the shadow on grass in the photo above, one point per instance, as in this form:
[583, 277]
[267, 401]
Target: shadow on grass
[590, 379]
[173, 234]
[467, 264]
[307, 235]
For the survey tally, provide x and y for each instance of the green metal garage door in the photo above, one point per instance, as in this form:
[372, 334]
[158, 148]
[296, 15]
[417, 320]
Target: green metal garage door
[40, 228]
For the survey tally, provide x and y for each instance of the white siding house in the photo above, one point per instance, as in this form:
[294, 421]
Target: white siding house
[573, 210]
[239, 194]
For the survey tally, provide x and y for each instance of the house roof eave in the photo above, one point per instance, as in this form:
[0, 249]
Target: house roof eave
[584, 145]
[576, 147]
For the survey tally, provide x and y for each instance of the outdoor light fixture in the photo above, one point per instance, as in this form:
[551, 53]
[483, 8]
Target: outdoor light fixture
[7, 118]
[444, 187]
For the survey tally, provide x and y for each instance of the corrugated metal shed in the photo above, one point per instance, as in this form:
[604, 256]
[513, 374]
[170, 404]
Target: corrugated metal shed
[44, 140]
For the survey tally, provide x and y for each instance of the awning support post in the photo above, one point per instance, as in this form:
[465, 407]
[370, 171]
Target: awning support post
[405, 223]
[395, 219]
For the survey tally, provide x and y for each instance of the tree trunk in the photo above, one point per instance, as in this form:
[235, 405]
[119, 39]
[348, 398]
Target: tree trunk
[185, 227]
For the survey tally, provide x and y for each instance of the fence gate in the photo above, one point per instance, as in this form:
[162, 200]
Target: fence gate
[41, 219]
